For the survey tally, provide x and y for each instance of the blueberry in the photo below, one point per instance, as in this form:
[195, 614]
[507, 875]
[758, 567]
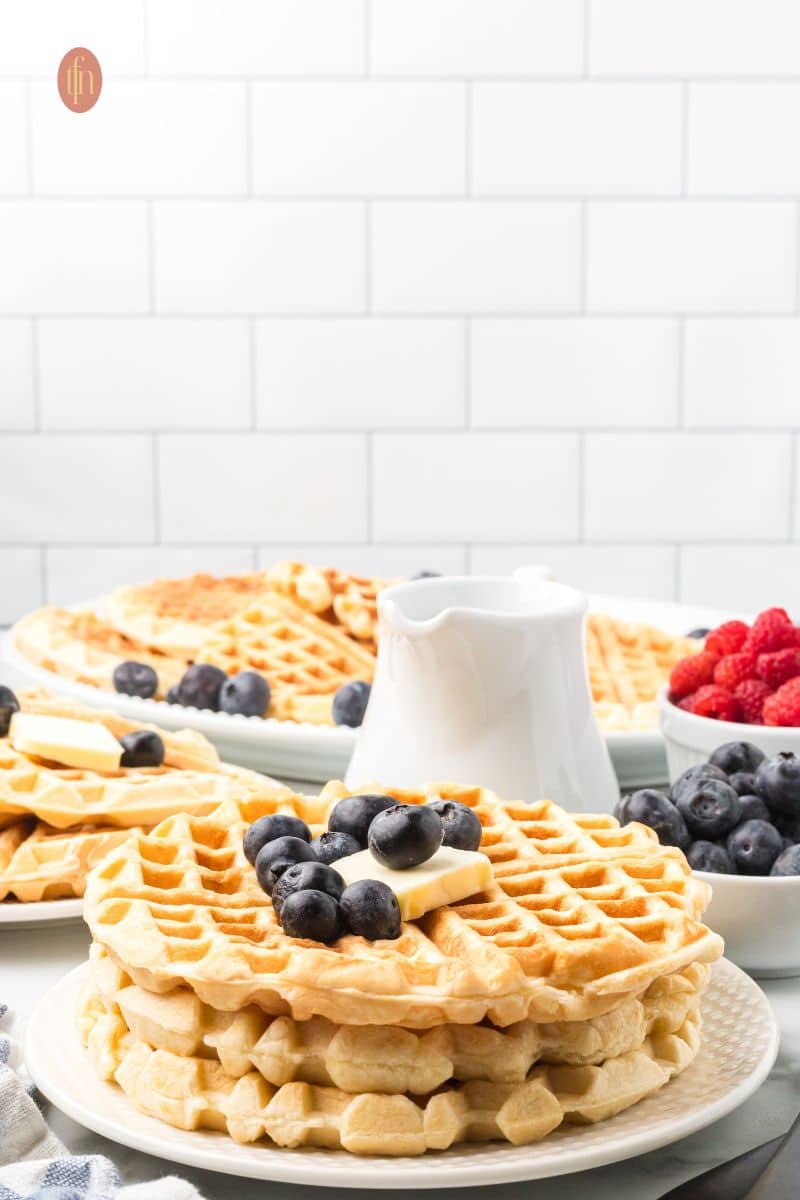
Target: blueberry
[787, 862]
[355, 814]
[754, 809]
[711, 809]
[142, 748]
[9, 704]
[700, 632]
[303, 877]
[753, 847]
[277, 856]
[737, 756]
[174, 694]
[405, 836]
[655, 810]
[312, 915]
[778, 781]
[708, 856]
[330, 847]
[743, 783]
[462, 829]
[350, 703]
[425, 574]
[789, 827]
[246, 693]
[269, 828]
[201, 686]
[135, 679]
[371, 910]
[690, 777]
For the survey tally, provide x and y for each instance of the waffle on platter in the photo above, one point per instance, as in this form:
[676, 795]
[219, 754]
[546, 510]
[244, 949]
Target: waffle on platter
[171, 615]
[81, 646]
[191, 1092]
[628, 664]
[581, 914]
[308, 630]
[304, 658]
[56, 822]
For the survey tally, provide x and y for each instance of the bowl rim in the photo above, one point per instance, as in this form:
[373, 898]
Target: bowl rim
[712, 876]
[666, 706]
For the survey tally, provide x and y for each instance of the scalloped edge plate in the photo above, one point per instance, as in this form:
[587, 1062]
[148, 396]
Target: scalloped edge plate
[740, 1046]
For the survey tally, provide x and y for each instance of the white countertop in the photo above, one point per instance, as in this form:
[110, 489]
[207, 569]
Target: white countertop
[32, 959]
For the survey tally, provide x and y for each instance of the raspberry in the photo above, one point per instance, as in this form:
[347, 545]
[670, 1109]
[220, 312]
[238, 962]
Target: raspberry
[783, 707]
[751, 696]
[772, 630]
[727, 638]
[777, 667]
[734, 669]
[714, 701]
[691, 673]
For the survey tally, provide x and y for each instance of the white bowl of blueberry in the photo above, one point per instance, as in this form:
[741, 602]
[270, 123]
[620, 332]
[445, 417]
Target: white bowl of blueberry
[737, 819]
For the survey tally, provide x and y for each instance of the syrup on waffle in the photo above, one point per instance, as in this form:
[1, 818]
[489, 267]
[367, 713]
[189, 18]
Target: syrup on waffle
[581, 913]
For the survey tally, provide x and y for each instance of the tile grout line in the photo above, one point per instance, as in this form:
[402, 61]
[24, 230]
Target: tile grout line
[467, 373]
[155, 466]
[36, 376]
[793, 488]
[151, 254]
[367, 259]
[251, 348]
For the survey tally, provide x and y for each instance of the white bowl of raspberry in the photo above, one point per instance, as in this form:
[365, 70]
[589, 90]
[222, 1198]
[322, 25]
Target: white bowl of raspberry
[690, 739]
[743, 685]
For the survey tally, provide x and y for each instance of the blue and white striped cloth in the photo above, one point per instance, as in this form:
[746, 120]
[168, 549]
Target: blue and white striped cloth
[35, 1165]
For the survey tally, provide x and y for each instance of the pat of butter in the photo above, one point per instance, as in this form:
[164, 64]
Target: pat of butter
[64, 740]
[449, 876]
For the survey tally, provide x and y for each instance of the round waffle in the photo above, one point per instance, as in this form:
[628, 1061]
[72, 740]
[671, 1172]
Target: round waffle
[193, 1092]
[580, 914]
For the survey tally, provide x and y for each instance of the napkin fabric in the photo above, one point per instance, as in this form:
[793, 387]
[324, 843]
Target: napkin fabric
[35, 1165]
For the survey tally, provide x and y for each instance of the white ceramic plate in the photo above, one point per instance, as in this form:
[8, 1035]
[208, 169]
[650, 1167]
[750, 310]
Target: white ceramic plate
[14, 915]
[741, 1042]
[292, 750]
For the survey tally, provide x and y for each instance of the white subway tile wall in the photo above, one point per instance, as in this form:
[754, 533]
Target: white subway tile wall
[403, 284]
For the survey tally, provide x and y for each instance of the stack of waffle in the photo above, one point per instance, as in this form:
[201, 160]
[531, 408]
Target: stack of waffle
[57, 822]
[308, 630]
[566, 992]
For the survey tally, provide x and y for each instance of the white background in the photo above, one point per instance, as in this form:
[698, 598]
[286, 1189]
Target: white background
[400, 284]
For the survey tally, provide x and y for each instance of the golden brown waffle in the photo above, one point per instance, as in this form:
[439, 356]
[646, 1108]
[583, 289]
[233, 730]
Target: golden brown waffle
[79, 645]
[191, 779]
[381, 1058]
[191, 1092]
[38, 862]
[628, 664]
[304, 658]
[581, 913]
[352, 600]
[172, 615]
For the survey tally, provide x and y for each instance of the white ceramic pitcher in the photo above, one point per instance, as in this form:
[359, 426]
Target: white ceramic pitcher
[482, 680]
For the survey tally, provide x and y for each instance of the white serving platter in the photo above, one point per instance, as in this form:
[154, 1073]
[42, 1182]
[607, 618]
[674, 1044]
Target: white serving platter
[14, 915]
[739, 1049]
[292, 750]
